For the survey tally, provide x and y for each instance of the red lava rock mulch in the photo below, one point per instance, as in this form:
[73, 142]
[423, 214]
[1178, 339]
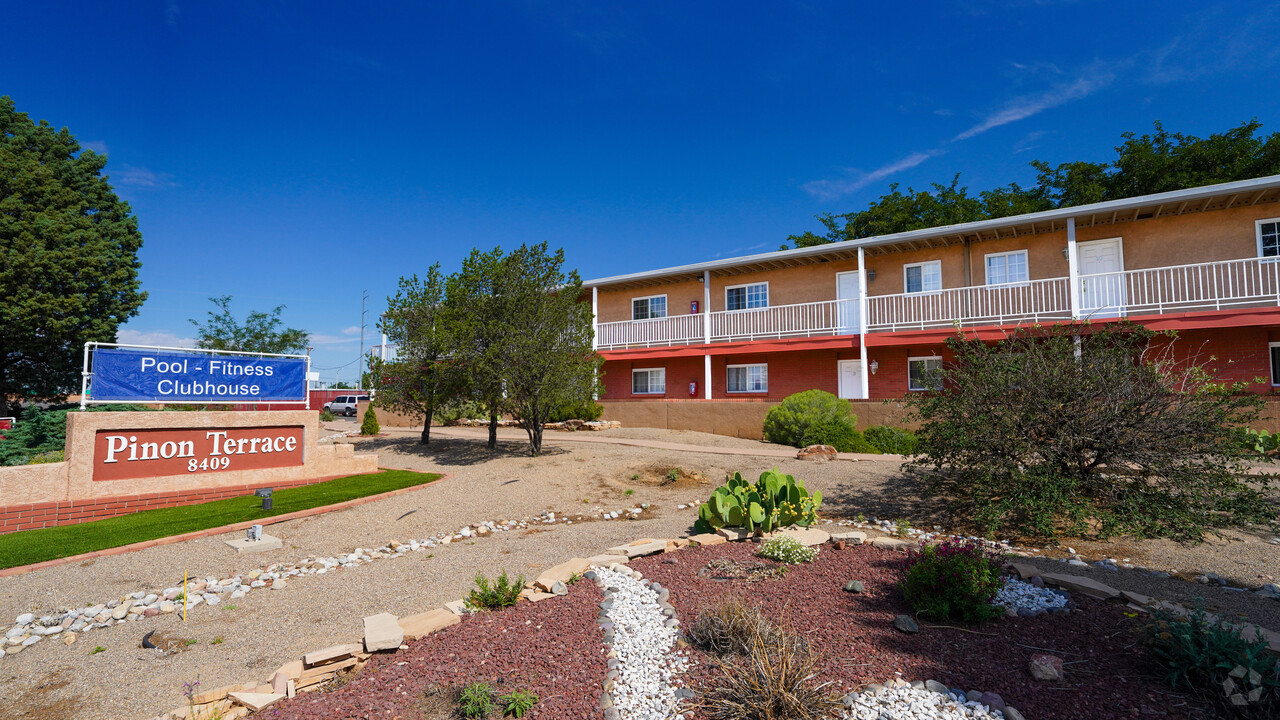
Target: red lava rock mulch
[1108, 674]
[552, 648]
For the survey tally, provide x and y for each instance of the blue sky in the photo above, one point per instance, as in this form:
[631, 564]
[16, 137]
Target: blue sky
[302, 152]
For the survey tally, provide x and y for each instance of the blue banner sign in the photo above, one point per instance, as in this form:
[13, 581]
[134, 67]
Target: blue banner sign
[138, 375]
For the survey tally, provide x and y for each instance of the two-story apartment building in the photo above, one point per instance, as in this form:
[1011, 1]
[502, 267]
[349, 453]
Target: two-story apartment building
[712, 345]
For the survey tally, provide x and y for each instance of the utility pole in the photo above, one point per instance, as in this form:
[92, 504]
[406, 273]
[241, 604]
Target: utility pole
[364, 300]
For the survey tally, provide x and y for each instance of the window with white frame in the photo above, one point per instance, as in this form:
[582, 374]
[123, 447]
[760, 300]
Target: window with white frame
[923, 372]
[1269, 237]
[1275, 364]
[922, 276]
[647, 308]
[649, 381]
[748, 378]
[1007, 267]
[745, 297]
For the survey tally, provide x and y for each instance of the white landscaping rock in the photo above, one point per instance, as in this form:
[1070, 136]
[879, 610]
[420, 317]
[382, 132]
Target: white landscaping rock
[1020, 595]
[915, 703]
[643, 644]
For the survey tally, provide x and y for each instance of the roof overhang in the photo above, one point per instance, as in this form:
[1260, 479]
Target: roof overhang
[1178, 202]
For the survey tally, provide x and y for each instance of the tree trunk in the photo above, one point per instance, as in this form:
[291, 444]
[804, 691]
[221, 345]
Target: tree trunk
[535, 438]
[426, 425]
[493, 430]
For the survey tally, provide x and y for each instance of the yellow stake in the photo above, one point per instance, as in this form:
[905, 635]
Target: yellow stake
[184, 596]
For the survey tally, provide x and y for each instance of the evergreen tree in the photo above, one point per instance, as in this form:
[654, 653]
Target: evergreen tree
[68, 258]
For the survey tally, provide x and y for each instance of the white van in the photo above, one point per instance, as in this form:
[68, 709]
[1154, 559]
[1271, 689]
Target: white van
[345, 404]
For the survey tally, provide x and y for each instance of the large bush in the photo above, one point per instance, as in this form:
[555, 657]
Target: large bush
[839, 434]
[892, 440]
[812, 417]
[1127, 437]
[954, 580]
[585, 410]
[774, 501]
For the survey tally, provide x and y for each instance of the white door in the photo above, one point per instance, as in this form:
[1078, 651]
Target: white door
[1101, 266]
[851, 379]
[848, 315]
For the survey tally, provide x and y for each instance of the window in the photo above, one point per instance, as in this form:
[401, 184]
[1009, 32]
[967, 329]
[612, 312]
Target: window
[1269, 238]
[922, 372]
[922, 277]
[748, 378]
[1007, 267]
[649, 381]
[1275, 364]
[647, 308]
[745, 297]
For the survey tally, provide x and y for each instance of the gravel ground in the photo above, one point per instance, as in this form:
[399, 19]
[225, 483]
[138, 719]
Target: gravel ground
[1108, 677]
[264, 630]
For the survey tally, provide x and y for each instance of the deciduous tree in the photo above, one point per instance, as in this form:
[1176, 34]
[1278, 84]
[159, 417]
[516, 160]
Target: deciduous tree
[424, 376]
[480, 325]
[1160, 161]
[68, 257]
[261, 332]
[547, 356]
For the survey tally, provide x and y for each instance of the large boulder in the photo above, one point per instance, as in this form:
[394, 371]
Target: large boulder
[818, 453]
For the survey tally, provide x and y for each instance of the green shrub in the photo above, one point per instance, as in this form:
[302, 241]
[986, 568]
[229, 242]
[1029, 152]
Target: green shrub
[52, 456]
[476, 701]
[774, 501]
[369, 425]
[839, 435]
[1234, 673]
[954, 580]
[587, 410]
[792, 421]
[327, 416]
[1092, 430]
[502, 593]
[459, 410]
[787, 550]
[516, 704]
[892, 440]
[39, 431]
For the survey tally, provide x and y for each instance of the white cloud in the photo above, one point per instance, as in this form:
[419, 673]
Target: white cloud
[343, 339]
[95, 145]
[1024, 107]
[171, 10]
[856, 180]
[153, 337]
[142, 177]
[352, 330]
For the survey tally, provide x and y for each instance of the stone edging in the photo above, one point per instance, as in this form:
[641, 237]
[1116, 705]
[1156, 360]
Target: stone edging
[385, 632]
[273, 520]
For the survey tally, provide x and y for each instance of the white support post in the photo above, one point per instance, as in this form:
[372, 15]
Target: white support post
[865, 375]
[1073, 269]
[706, 377]
[706, 317]
[84, 380]
[595, 314]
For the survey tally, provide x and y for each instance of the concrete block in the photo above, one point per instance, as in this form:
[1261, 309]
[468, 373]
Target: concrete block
[256, 701]
[245, 546]
[854, 537]
[382, 632]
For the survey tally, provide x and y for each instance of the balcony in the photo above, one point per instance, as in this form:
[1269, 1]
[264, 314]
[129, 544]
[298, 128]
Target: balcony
[1252, 282]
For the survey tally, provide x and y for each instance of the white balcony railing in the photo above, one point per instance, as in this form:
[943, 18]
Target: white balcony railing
[673, 330]
[1182, 288]
[1035, 301]
[829, 317]
[1252, 282]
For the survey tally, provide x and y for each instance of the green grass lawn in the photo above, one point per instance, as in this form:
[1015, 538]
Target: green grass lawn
[32, 546]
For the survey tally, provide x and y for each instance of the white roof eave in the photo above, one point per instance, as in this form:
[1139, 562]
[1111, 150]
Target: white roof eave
[1111, 206]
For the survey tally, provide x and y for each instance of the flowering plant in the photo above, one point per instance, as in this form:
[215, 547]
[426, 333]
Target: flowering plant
[953, 580]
